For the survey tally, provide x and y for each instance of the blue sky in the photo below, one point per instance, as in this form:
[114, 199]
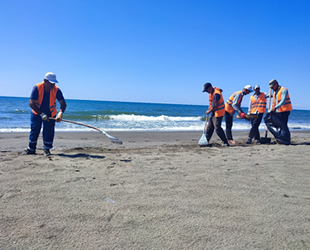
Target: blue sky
[156, 51]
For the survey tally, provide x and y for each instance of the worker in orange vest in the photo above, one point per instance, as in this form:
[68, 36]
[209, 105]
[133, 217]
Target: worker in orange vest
[43, 103]
[217, 110]
[232, 105]
[281, 100]
[258, 104]
[281, 103]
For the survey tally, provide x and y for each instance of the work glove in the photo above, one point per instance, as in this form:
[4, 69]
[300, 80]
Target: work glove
[242, 115]
[59, 116]
[44, 116]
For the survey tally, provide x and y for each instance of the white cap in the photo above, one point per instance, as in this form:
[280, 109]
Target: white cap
[51, 77]
[249, 88]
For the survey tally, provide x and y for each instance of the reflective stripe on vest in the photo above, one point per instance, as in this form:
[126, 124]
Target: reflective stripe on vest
[287, 106]
[228, 106]
[52, 104]
[220, 111]
[258, 105]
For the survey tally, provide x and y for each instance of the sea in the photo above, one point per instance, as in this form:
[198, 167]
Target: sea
[127, 116]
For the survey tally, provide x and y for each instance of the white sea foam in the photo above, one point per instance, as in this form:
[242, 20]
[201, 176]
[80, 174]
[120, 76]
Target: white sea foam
[134, 126]
[143, 118]
[150, 123]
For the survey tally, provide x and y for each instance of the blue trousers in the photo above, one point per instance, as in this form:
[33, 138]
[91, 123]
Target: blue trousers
[48, 132]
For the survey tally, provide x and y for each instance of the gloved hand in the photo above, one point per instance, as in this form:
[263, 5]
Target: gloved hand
[242, 115]
[44, 116]
[59, 116]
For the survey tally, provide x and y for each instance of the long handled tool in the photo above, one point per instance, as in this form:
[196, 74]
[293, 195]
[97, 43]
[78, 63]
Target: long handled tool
[248, 117]
[203, 140]
[265, 140]
[113, 139]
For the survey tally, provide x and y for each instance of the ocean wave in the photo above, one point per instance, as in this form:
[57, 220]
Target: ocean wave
[121, 116]
[143, 118]
[131, 126]
[128, 129]
[18, 111]
[142, 123]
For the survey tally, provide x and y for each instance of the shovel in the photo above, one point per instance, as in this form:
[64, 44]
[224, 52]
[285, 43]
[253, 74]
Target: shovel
[113, 139]
[203, 142]
[265, 140]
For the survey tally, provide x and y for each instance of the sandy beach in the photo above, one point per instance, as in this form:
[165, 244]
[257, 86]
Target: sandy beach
[158, 190]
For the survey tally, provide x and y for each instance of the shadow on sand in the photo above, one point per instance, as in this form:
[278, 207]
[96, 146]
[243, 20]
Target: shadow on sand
[82, 156]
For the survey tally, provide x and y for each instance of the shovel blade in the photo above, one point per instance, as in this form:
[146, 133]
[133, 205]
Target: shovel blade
[265, 140]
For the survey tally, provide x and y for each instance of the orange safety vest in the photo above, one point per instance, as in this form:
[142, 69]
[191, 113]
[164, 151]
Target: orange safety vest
[287, 106]
[220, 111]
[258, 105]
[52, 105]
[228, 105]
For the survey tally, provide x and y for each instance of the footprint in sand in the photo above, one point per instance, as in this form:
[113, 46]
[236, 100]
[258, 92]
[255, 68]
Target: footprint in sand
[76, 179]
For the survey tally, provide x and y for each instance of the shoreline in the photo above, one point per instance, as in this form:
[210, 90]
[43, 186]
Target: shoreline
[17, 141]
[132, 131]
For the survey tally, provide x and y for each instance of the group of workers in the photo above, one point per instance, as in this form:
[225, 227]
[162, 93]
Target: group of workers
[44, 95]
[281, 105]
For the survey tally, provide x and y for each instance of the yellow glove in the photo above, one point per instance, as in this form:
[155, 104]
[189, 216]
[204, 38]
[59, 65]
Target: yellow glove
[59, 116]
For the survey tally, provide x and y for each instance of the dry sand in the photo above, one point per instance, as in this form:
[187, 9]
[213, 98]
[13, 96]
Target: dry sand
[158, 190]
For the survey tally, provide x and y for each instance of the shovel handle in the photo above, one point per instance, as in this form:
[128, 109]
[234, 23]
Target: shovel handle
[206, 122]
[269, 102]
